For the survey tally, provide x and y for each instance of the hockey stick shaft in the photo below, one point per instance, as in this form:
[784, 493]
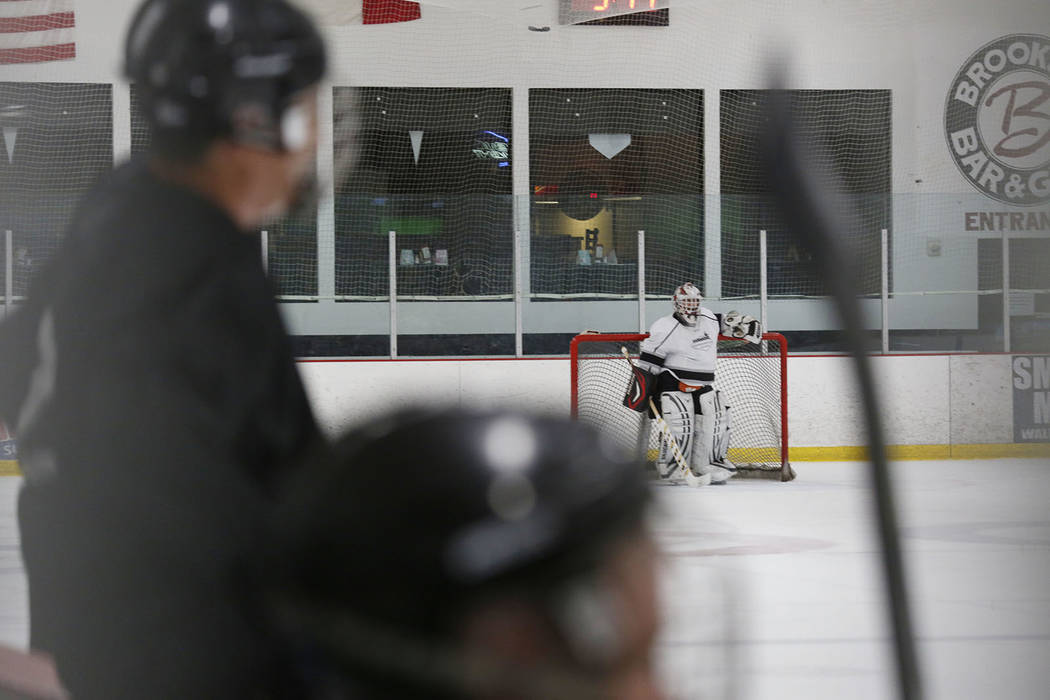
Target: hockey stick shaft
[676, 451]
[809, 209]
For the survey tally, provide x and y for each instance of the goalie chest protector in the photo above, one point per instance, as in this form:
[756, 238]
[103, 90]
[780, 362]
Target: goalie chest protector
[691, 352]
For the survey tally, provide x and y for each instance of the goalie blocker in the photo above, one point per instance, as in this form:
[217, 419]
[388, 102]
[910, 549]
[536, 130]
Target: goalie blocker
[641, 389]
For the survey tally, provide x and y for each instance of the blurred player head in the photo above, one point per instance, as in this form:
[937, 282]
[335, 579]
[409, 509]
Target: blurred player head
[467, 556]
[228, 88]
[686, 301]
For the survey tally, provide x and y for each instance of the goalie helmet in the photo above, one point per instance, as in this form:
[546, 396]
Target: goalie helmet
[207, 69]
[687, 300]
[414, 519]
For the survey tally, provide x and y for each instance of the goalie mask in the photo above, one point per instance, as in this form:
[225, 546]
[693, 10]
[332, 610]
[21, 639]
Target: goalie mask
[687, 300]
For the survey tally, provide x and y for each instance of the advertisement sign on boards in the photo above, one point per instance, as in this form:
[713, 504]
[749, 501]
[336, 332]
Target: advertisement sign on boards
[1031, 382]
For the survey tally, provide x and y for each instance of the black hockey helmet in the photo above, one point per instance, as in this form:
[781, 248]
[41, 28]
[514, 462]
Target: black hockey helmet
[206, 69]
[420, 516]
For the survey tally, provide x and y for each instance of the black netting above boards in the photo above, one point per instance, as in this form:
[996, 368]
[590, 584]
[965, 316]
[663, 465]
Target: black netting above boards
[57, 141]
[291, 240]
[851, 130]
[603, 165]
[434, 166]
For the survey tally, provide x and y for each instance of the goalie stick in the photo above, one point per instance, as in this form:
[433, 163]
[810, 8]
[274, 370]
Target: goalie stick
[676, 451]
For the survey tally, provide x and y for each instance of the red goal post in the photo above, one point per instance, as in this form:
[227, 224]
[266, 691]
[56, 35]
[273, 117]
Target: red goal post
[752, 378]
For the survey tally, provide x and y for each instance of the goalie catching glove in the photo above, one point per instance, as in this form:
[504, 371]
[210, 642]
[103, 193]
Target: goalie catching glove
[738, 325]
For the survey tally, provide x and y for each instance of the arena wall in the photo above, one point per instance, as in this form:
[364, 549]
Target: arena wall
[912, 49]
[933, 406]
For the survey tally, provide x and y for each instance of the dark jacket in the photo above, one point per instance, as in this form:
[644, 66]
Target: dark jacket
[151, 387]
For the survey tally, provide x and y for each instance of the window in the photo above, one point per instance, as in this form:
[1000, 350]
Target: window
[604, 164]
[851, 130]
[57, 140]
[434, 165]
[291, 240]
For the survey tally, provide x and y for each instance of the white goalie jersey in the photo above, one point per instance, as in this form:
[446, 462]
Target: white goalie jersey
[690, 352]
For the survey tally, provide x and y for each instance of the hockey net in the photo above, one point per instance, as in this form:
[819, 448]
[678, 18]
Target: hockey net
[752, 378]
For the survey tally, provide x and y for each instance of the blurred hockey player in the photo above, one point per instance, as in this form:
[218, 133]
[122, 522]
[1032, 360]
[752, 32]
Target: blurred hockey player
[681, 352]
[149, 378]
[456, 556]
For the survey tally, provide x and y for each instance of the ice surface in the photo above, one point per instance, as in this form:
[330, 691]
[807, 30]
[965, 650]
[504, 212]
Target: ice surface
[773, 591]
[789, 573]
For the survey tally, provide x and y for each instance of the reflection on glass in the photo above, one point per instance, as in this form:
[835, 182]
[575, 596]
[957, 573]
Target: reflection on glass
[433, 165]
[57, 140]
[851, 132]
[605, 164]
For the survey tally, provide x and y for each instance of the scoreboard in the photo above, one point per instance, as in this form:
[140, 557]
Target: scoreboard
[620, 12]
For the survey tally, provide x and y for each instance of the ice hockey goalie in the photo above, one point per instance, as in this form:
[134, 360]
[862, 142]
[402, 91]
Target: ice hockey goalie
[681, 352]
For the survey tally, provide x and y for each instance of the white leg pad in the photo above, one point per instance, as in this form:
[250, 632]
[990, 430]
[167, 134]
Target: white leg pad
[700, 457]
[708, 440]
[677, 409]
[722, 430]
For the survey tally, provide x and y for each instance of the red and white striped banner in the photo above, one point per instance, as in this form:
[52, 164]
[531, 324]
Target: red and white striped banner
[32, 31]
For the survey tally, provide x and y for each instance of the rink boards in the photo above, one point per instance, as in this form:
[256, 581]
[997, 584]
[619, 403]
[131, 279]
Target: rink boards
[933, 406]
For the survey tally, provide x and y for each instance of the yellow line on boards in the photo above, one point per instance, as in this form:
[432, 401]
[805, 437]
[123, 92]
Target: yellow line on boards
[845, 453]
[859, 453]
[852, 453]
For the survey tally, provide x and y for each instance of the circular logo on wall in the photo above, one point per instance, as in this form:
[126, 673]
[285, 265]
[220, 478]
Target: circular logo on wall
[997, 119]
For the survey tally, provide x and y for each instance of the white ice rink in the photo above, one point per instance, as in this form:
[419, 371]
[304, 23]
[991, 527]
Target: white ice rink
[788, 575]
[802, 564]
